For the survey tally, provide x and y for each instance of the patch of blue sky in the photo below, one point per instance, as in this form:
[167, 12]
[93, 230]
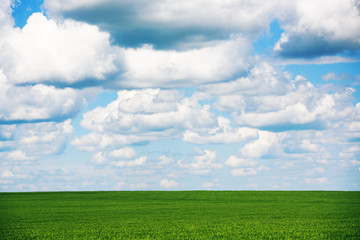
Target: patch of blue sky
[102, 99]
[22, 10]
[314, 72]
[266, 42]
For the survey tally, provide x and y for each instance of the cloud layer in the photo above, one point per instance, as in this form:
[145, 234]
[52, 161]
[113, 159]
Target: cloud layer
[161, 95]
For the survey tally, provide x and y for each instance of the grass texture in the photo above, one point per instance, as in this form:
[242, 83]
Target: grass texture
[180, 215]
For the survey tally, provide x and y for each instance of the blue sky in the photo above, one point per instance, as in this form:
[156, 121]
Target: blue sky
[145, 95]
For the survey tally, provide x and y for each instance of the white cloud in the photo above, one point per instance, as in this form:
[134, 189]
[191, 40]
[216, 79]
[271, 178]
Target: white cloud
[355, 162]
[321, 180]
[262, 146]
[32, 140]
[314, 171]
[165, 160]
[355, 149]
[142, 115]
[310, 32]
[39, 102]
[134, 163]
[42, 50]
[295, 114]
[122, 153]
[185, 24]
[262, 79]
[271, 100]
[302, 105]
[38, 53]
[6, 20]
[99, 158]
[10, 175]
[146, 67]
[306, 145]
[206, 160]
[18, 155]
[186, 113]
[248, 101]
[115, 155]
[168, 183]
[234, 161]
[202, 164]
[224, 133]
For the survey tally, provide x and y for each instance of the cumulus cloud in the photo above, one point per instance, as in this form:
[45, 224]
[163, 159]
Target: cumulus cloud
[133, 163]
[99, 158]
[166, 113]
[122, 153]
[30, 141]
[203, 164]
[21, 104]
[311, 32]
[165, 160]
[224, 133]
[167, 24]
[142, 115]
[267, 141]
[306, 145]
[282, 104]
[42, 50]
[18, 155]
[146, 67]
[8, 174]
[168, 183]
[262, 79]
[321, 180]
[271, 100]
[234, 161]
[234, 98]
[125, 154]
[34, 55]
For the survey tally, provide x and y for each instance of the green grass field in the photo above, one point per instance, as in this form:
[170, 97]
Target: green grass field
[180, 215]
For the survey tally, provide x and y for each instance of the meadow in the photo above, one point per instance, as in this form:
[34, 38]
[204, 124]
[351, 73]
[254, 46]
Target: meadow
[180, 215]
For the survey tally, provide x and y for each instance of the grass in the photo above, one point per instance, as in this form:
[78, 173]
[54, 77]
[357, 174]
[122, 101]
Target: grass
[180, 215]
